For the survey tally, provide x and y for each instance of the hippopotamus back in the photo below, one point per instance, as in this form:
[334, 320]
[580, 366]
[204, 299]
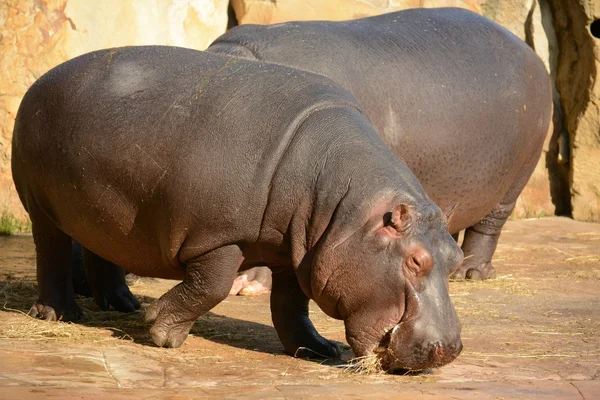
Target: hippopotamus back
[465, 103]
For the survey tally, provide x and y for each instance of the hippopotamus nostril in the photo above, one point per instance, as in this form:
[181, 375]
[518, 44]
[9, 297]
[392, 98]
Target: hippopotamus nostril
[439, 350]
[442, 353]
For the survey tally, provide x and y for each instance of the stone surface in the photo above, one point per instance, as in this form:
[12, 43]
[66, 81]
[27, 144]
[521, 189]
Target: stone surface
[36, 35]
[532, 333]
[547, 191]
[577, 82]
[274, 11]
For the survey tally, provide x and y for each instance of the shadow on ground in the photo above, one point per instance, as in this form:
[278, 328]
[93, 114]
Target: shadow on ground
[18, 294]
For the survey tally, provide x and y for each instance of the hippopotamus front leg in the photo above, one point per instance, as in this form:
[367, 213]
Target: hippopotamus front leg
[107, 283]
[57, 300]
[289, 310]
[206, 283]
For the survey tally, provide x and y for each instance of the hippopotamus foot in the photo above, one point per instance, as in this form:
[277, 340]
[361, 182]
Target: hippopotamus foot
[206, 284]
[289, 310]
[474, 272]
[69, 312]
[252, 282]
[480, 243]
[167, 332]
[107, 283]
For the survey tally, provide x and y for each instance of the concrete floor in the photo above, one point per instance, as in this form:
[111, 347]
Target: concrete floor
[532, 333]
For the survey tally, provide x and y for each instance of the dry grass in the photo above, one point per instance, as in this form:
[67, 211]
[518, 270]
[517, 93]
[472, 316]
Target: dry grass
[17, 296]
[370, 364]
[585, 259]
[506, 284]
[23, 327]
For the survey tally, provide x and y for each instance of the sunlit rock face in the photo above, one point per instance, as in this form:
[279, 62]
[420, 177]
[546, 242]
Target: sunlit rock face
[36, 35]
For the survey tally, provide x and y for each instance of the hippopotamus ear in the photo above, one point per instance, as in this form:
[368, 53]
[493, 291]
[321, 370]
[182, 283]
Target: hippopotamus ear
[397, 222]
[401, 218]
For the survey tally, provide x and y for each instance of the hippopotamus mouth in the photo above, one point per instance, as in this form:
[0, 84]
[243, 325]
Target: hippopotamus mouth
[416, 342]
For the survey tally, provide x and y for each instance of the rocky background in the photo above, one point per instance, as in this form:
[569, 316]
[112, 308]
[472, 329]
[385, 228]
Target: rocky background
[36, 35]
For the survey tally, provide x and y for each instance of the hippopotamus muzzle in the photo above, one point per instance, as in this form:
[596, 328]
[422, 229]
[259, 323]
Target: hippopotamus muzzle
[407, 319]
[427, 336]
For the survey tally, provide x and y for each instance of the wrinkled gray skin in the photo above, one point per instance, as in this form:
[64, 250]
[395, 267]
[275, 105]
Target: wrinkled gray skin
[462, 101]
[186, 165]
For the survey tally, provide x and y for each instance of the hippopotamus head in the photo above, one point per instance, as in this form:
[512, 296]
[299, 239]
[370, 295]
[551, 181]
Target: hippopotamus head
[388, 281]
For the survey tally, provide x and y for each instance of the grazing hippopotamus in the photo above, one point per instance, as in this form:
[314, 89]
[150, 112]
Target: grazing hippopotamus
[461, 100]
[188, 165]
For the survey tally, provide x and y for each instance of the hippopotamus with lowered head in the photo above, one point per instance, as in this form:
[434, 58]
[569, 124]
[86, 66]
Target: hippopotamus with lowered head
[189, 165]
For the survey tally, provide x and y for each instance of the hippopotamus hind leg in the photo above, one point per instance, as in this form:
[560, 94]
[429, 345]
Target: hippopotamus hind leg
[80, 283]
[206, 283]
[53, 257]
[479, 245]
[107, 283]
[481, 239]
[289, 310]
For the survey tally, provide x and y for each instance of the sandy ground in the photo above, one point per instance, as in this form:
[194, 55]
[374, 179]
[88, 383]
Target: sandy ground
[532, 333]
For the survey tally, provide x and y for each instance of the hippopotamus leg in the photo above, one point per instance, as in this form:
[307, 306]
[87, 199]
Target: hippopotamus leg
[481, 239]
[80, 283]
[480, 243]
[176, 311]
[107, 283]
[252, 282]
[56, 300]
[289, 311]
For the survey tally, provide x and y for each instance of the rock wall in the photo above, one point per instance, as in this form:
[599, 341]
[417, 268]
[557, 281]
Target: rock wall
[547, 192]
[577, 82]
[36, 35]
[275, 11]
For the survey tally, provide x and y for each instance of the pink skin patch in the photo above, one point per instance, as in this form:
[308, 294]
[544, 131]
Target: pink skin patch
[243, 287]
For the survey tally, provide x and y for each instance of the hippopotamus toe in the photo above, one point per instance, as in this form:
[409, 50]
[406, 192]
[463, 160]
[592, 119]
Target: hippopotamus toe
[474, 272]
[166, 332]
[72, 312]
[170, 335]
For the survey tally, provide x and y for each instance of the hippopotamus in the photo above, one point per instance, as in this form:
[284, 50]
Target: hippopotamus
[188, 165]
[461, 100]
